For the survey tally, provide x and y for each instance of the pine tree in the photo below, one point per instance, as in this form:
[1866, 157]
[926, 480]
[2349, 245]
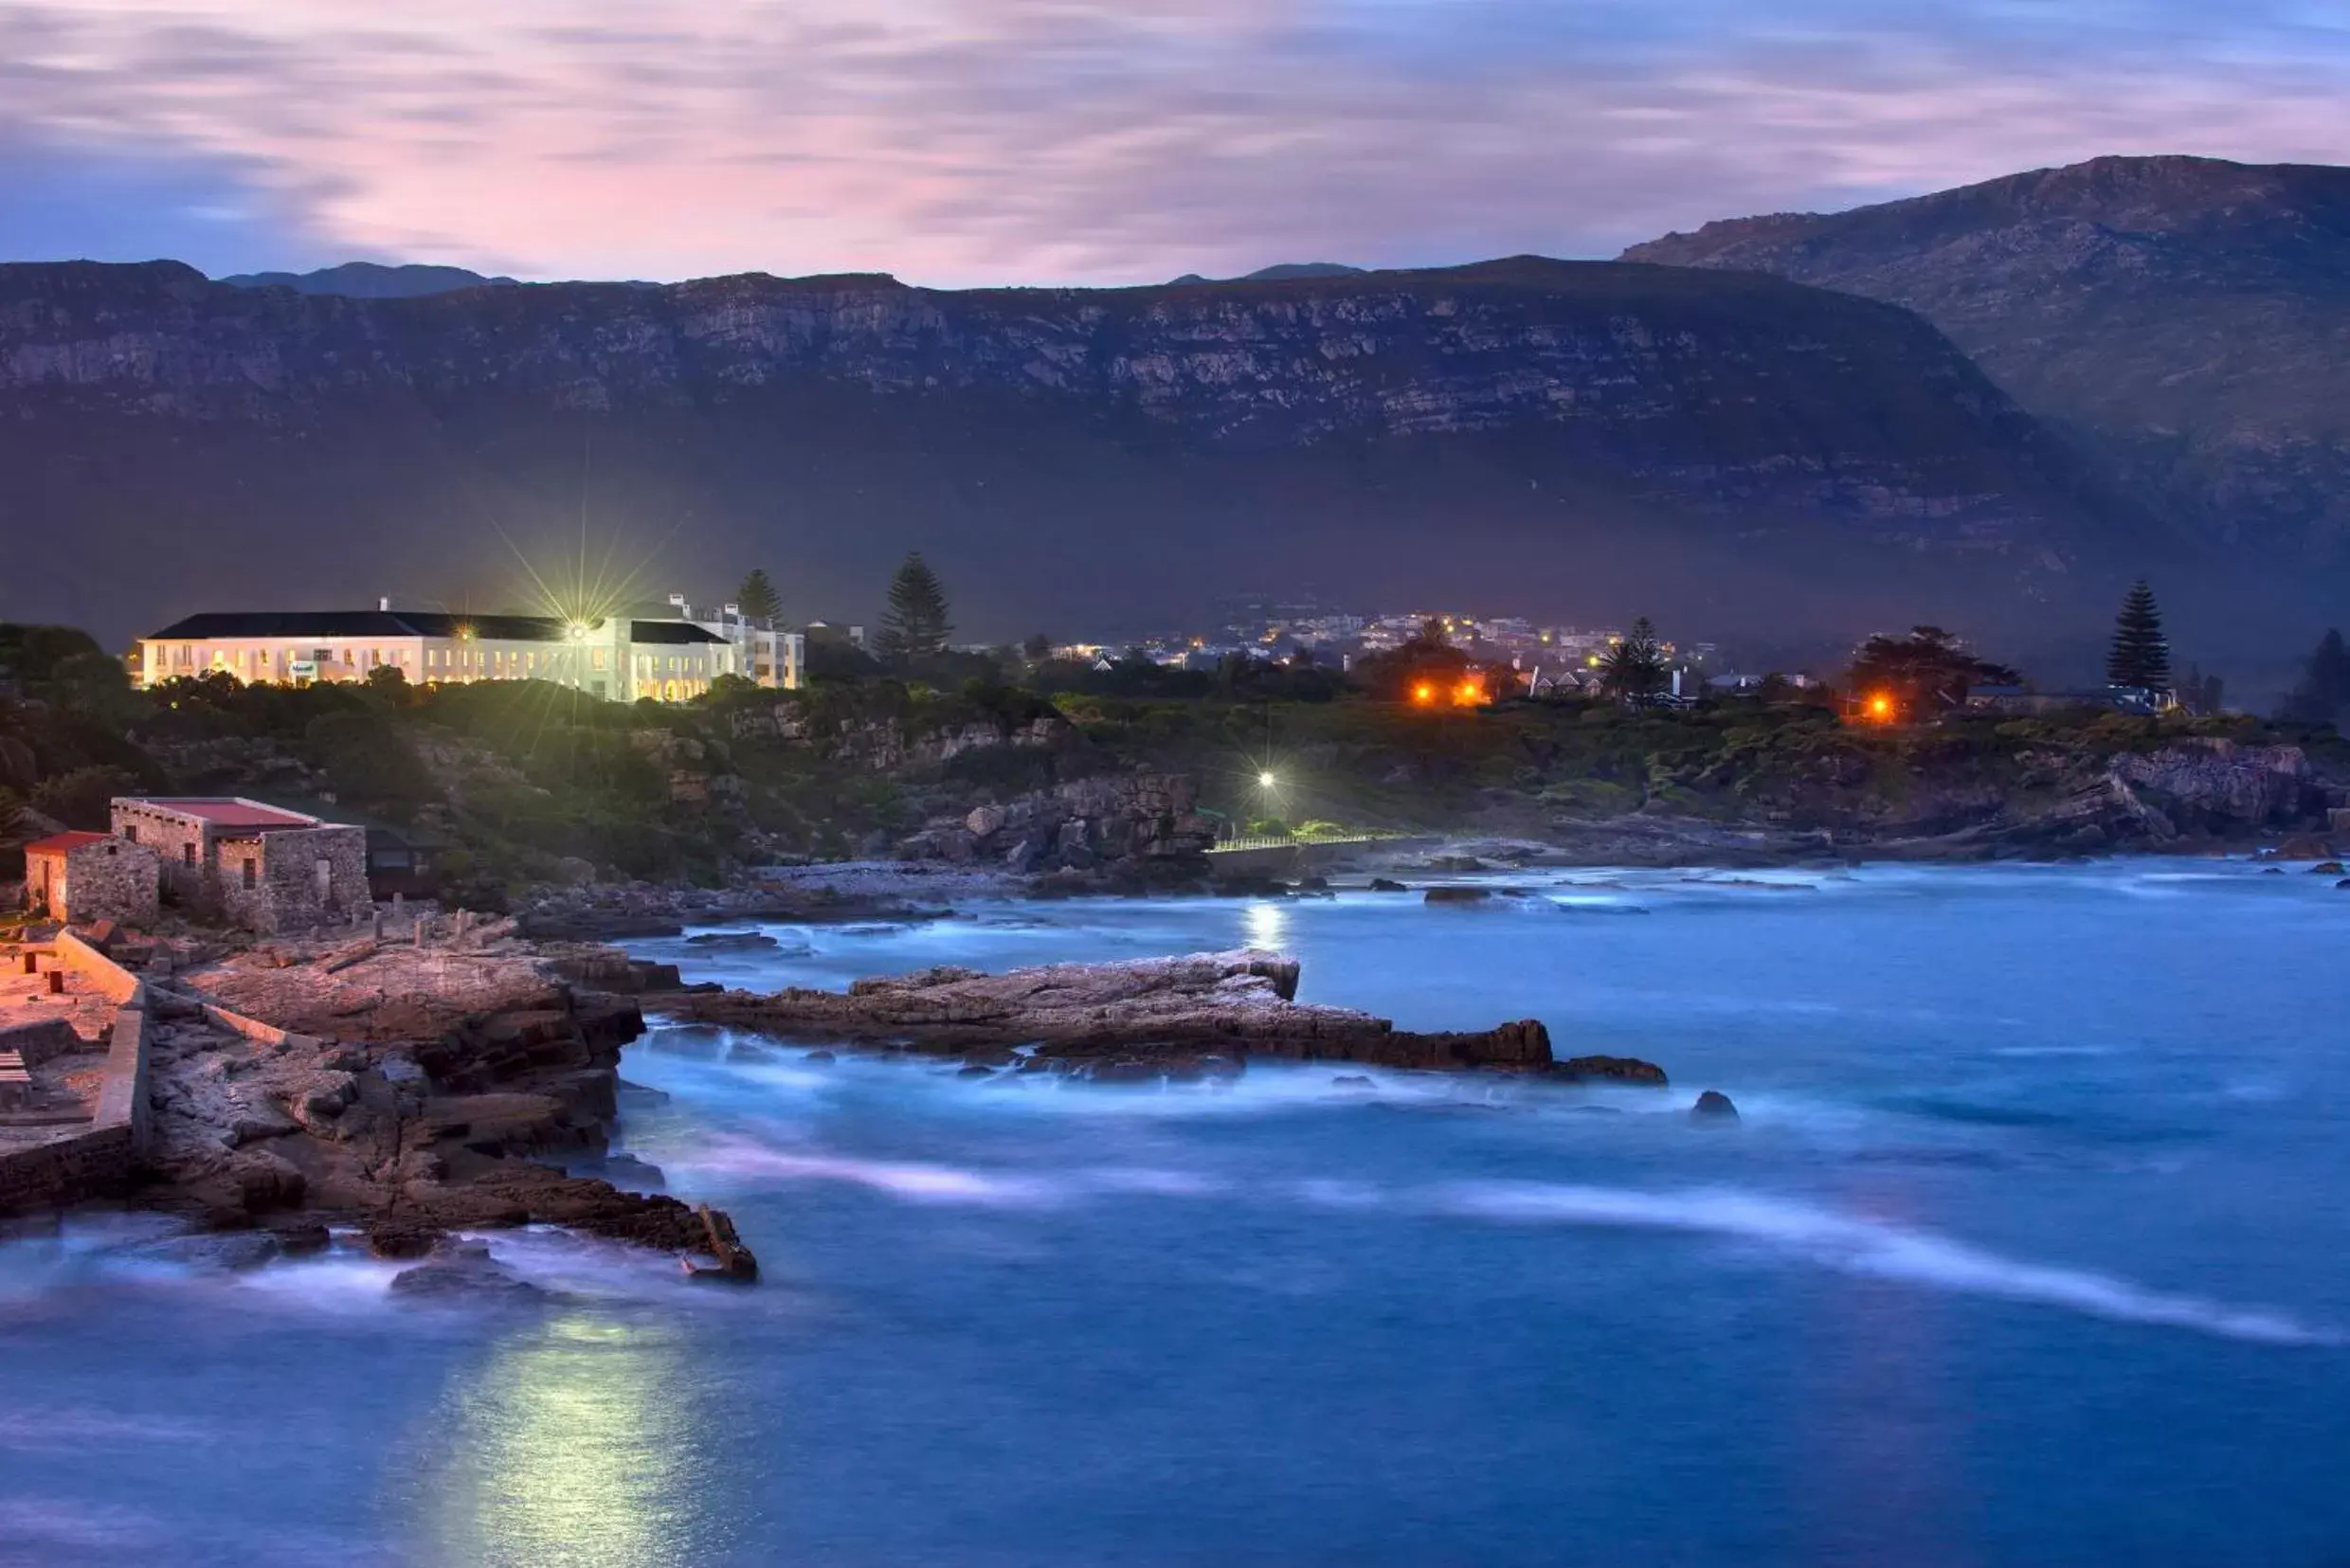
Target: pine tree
[1635, 667]
[915, 626]
[757, 596]
[2142, 655]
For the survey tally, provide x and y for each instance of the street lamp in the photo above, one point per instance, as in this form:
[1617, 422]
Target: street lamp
[1268, 780]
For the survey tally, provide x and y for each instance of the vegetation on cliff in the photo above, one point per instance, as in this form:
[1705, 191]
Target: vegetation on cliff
[525, 782]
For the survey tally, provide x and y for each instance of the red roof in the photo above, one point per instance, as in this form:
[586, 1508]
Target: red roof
[226, 813]
[58, 843]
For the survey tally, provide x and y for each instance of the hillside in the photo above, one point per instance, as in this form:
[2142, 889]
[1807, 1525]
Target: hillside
[1575, 438]
[2190, 316]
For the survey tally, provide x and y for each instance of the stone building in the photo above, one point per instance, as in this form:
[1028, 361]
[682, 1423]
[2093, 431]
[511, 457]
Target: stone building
[252, 865]
[86, 876]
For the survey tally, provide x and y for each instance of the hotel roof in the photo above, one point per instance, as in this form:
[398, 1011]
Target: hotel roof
[358, 626]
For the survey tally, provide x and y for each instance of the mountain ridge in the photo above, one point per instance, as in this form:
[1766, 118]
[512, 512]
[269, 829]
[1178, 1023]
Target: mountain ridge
[1586, 438]
[2188, 318]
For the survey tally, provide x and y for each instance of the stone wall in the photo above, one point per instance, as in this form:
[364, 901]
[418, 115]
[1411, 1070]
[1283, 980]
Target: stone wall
[112, 880]
[108, 1158]
[177, 839]
[288, 892]
[93, 1164]
[109, 979]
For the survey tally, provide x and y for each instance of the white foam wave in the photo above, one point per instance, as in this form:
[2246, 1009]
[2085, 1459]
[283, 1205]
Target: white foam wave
[922, 1183]
[1872, 1248]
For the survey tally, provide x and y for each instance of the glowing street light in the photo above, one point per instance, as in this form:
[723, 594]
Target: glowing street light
[1268, 780]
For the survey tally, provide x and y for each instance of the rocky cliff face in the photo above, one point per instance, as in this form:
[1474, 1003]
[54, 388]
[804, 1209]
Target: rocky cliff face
[1373, 432]
[2193, 315]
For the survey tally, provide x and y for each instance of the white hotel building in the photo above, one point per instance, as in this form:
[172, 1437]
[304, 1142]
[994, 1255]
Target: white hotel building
[622, 658]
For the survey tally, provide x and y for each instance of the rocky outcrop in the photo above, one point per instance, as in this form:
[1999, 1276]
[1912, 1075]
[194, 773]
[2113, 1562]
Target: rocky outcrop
[2191, 789]
[1140, 823]
[404, 1113]
[1159, 1015]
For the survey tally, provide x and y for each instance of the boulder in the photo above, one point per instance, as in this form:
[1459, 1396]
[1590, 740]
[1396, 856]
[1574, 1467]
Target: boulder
[1457, 896]
[1352, 1080]
[732, 942]
[389, 1237]
[985, 820]
[1621, 1070]
[462, 1271]
[1714, 1108]
[2302, 846]
[2326, 868]
[1385, 884]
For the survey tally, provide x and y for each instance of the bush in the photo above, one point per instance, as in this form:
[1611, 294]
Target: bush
[84, 798]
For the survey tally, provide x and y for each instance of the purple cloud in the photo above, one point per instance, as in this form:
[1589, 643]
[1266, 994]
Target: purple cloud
[969, 141]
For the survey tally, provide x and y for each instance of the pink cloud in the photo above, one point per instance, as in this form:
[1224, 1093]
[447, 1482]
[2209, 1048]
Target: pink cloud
[970, 141]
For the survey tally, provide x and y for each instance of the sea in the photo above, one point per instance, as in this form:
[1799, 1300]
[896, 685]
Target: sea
[2030, 1244]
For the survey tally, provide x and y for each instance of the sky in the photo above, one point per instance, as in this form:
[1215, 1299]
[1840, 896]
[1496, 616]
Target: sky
[970, 142]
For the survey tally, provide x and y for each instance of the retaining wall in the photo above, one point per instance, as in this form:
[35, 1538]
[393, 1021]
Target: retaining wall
[107, 1158]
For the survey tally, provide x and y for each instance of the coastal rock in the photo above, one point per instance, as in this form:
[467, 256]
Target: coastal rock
[461, 1271]
[1714, 1108]
[1457, 896]
[2326, 868]
[1204, 1006]
[733, 942]
[1622, 1069]
[2302, 846]
[1382, 884]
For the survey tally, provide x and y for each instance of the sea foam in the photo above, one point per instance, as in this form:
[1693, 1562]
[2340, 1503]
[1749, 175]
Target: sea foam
[1878, 1250]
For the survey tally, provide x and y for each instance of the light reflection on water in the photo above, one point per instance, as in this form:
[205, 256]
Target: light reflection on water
[575, 1445]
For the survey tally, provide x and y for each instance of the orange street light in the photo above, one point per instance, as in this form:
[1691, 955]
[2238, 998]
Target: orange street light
[1424, 694]
[1881, 707]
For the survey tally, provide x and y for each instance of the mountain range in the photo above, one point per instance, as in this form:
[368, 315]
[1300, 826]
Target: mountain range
[1986, 408]
[2186, 319]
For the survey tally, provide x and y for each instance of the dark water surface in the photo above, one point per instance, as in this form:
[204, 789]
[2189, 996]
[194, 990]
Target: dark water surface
[2033, 1246]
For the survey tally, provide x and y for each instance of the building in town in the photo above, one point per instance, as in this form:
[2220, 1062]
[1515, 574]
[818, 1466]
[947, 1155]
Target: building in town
[624, 657]
[86, 876]
[257, 866]
[765, 654]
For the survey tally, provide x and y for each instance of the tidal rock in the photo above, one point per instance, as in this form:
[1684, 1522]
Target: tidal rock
[1386, 884]
[388, 1238]
[1713, 1108]
[2302, 846]
[2326, 868]
[731, 941]
[1457, 896]
[1352, 1080]
[818, 1058]
[1622, 1069]
[1205, 1005]
[462, 1271]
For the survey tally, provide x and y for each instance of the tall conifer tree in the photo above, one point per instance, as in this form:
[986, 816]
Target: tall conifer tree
[757, 596]
[2141, 655]
[915, 626]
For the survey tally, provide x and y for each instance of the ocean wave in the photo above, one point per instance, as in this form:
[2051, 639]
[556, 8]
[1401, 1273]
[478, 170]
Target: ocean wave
[1880, 1250]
